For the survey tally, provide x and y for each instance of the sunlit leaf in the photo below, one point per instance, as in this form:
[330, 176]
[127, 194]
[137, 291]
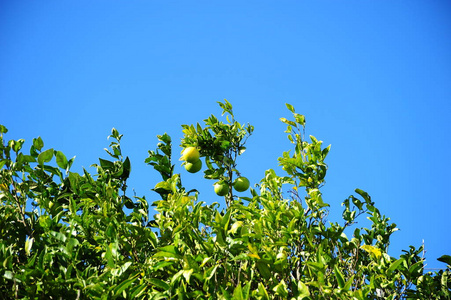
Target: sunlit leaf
[45, 156]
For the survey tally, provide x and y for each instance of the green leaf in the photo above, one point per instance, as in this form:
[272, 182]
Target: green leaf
[18, 145]
[58, 236]
[3, 129]
[24, 158]
[162, 187]
[364, 195]
[45, 156]
[444, 282]
[127, 168]
[348, 284]
[106, 164]
[111, 253]
[210, 272]
[61, 160]
[237, 293]
[281, 289]
[71, 243]
[137, 291]
[287, 122]
[262, 291]
[168, 251]
[38, 143]
[159, 284]
[303, 290]
[28, 245]
[339, 276]
[315, 266]
[187, 274]
[124, 285]
[290, 107]
[300, 119]
[235, 227]
[8, 275]
[74, 179]
[394, 265]
[264, 270]
[8, 262]
[445, 259]
[415, 268]
[115, 133]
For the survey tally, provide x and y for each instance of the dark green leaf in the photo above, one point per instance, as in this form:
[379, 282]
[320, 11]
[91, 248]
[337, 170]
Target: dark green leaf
[124, 285]
[137, 291]
[127, 169]
[106, 164]
[394, 265]
[445, 259]
[339, 276]
[159, 283]
[264, 270]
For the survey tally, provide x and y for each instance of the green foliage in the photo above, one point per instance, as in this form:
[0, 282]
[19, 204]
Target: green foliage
[79, 236]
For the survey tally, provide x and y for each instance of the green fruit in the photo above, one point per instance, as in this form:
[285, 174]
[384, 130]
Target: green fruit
[241, 184]
[193, 167]
[221, 188]
[190, 154]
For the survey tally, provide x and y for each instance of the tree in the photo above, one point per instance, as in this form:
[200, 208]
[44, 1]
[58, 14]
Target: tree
[80, 236]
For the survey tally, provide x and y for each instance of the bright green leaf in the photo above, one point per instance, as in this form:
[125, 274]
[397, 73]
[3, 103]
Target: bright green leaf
[38, 143]
[28, 245]
[290, 107]
[45, 156]
[61, 160]
[303, 290]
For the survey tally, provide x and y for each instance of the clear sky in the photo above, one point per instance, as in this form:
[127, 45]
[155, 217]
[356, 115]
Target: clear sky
[373, 78]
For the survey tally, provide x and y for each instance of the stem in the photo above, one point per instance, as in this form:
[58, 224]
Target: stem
[230, 195]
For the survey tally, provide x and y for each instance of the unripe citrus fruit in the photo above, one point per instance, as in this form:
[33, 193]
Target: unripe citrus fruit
[195, 167]
[241, 184]
[190, 154]
[221, 188]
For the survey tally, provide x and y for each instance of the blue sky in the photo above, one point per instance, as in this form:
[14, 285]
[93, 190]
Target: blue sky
[372, 78]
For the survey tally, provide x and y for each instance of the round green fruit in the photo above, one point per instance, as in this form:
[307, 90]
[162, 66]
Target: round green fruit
[190, 154]
[241, 184]
[221, 188]
[193, 167]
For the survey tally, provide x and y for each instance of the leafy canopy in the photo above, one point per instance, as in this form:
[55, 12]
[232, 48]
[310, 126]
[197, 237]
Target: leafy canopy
[81, 236]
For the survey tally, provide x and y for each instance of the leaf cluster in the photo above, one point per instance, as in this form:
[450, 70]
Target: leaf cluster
[80, 236]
